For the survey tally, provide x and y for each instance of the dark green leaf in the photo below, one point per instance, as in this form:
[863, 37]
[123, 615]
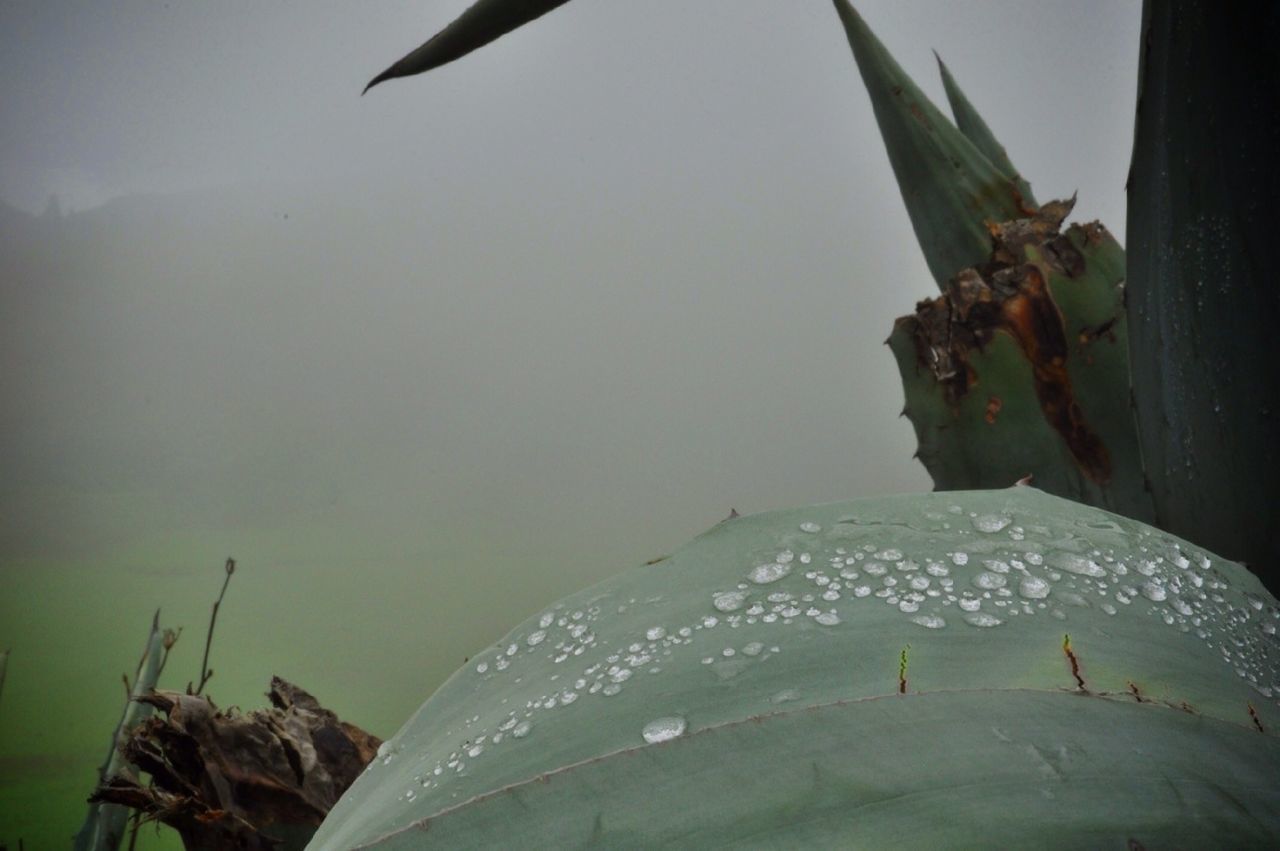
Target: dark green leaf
[1203, 300]
[474, 28]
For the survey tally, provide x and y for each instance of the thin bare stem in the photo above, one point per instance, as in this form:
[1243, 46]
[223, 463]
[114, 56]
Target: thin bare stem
[205, 673]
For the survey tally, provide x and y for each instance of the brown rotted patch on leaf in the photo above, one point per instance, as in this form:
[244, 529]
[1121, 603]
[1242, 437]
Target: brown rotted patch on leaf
[258, 780]
[1008, 294]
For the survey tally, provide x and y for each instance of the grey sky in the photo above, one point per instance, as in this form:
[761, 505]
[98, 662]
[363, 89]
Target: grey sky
[102, 99]
[640, 257]
[426, 360]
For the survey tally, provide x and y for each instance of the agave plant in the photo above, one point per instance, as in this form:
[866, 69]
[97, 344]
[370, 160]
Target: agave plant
[992, 668]
[999, 668]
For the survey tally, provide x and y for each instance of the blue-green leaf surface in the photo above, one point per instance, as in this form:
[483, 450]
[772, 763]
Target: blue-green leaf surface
[751, 690]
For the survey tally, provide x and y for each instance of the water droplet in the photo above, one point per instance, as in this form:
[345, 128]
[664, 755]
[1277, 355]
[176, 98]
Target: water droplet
[536, 638]
[982, 619]
[482, 667]
[475, 750]
[655, 633]
[785, 696]
[989, 581]
[546, 620]
[754, 648]
[991, 523]
[663, 729]
[1154, 592]
[828, 619]
[970, 604]
[1079, 565]
[1034, 588]
[521, 730]
[730, 601]
[765, 573]
[890, 555]
[960, 558]
[929, 621]
[810, 526]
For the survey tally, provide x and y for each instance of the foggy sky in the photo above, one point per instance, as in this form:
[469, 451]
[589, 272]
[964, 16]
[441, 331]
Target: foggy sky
[561, 304]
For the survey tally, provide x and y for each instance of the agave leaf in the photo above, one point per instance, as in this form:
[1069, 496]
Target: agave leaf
[1022, 369]
[1202, 297]
[950, 188]
[483, 22]
[104, 826]
[970, 123]
[4, 663]
[861, 674]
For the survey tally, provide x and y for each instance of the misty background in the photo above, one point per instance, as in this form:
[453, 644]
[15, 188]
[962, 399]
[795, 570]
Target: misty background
[427, 360]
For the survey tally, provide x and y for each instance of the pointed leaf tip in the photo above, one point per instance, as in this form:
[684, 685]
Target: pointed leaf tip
[949, 187]
[483, 22]
[970, 123]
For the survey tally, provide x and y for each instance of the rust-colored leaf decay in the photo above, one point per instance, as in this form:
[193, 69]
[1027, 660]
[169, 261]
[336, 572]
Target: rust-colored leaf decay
[264, 779]
[1009, 294]
[994, 404]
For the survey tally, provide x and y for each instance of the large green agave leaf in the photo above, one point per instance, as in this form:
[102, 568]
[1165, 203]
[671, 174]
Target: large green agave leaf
[104, 826]
[951, 190]
[1203, 300]
[977, 669]
[480, 24]
[969, 122]
[1021, 369]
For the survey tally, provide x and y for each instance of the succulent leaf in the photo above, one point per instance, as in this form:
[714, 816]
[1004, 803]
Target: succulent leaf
[480, 24]
[970, 123]
[950, 188]
[1202, 297]
[753, 689]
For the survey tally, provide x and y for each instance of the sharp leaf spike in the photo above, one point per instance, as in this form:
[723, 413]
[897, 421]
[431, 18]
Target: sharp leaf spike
[482, 23]
[949, 186]
[970, 123]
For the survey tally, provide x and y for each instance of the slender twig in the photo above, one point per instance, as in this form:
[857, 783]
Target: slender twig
[136, 821]
[170, 638]
[205, 673]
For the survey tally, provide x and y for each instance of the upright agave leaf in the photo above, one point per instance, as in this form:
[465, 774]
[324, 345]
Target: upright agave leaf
[104, 827]
[995, 669]
[970, 123]
[950, 188]
[4, 662]
[1021, 369]
[476, 27]
[1203, 299]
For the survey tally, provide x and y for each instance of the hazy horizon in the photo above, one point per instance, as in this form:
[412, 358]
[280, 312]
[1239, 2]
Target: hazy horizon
[426, 360]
